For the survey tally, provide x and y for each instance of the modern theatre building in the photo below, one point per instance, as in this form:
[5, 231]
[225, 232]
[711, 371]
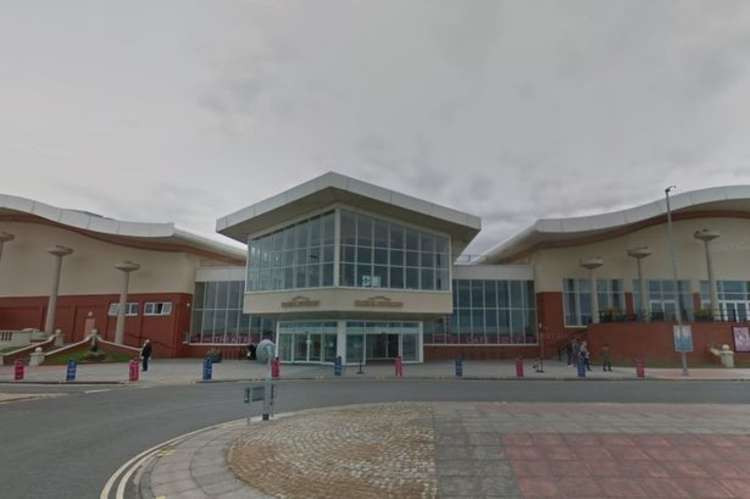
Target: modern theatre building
[339, 267]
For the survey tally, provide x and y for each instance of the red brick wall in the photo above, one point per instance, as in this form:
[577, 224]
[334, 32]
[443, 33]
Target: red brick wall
[228, 352]
[654, 341]
[165, 333]
[448, 352]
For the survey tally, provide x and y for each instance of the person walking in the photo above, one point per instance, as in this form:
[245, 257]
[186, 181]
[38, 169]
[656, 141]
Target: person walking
[251, 351]
[146, 354]
[606, 363]
[576, 349]
[585, 355]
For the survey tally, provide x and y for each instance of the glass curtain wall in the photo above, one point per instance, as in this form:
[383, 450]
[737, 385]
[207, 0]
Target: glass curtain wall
[663, 298]
[734, 299]
[217, 315]
[297, 256]
[577, 299]
[379, 254]
[487, 312]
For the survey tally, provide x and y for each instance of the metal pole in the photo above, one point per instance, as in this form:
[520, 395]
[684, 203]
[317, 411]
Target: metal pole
[267, 389]
[683, 355]
[541, 348]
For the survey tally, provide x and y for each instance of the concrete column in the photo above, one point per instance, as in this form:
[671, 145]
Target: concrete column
[639, 254]
[707, 235]
[592, 264]
[5, 237]
[126, 267]
[59, 252]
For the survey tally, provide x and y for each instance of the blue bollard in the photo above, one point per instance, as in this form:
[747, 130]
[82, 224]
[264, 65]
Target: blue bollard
[459, 368]
[337, 366]
[581, 367]
[70, 372]
[207, 369]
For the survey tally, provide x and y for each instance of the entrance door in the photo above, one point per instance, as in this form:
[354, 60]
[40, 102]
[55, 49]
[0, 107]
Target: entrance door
[315, 349]
[382, 346]
[300, 347]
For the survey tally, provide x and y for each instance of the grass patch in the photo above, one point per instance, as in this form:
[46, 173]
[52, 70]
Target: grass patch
[79, 357]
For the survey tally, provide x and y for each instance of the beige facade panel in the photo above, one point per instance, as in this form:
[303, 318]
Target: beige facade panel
[730, 252]
[494, 272]
[349, 301]
[26, 268]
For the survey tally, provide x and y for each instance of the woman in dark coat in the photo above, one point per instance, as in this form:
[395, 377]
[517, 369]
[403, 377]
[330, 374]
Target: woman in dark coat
[146, 354]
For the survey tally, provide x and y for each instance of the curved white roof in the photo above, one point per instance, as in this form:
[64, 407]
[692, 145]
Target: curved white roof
[159, 236]
[331, 188]
[559, 231]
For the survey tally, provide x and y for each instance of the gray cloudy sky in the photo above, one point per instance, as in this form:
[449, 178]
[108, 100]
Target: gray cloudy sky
[185, 111]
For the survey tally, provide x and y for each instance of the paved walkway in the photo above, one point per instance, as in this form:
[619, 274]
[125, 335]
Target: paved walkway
[467, 450]
[180, 371]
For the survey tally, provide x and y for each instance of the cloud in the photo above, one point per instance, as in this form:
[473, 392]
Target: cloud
[509, 110]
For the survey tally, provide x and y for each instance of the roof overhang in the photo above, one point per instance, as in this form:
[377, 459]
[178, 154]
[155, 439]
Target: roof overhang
[331, 189]
[731, 201]
[152, 236]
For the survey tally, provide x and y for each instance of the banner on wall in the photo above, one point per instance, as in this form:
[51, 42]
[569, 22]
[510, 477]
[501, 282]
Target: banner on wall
[741, 339]
[683, 339]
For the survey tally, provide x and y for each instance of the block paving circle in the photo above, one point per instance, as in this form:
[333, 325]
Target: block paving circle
[468, 450]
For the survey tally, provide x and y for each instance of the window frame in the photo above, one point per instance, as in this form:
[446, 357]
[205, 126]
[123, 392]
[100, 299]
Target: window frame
[165, 308]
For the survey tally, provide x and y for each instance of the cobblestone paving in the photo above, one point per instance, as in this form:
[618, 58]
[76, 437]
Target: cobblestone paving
[367, 451]
[469, 450]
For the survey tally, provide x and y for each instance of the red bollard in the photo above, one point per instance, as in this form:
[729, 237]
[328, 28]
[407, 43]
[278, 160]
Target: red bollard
[134, 370]
[519, 367]
[275, 368]
[640, 369]
[399, 366]
[18, 370]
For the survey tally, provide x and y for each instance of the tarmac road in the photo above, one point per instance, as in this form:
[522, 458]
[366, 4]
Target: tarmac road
[67, 446]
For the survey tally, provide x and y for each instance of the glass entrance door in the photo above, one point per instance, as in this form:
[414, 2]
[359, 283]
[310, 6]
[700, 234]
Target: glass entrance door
[313, 342]
[375, 340]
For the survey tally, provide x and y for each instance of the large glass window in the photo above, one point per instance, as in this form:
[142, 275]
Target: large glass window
[663, 298]
[379, 254]
[734, 299]
[487, 312]
[577, 300]
[298, 256]
[218, 318]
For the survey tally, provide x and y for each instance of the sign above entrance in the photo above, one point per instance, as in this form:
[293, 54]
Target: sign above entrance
[378, 302]
[300, 301]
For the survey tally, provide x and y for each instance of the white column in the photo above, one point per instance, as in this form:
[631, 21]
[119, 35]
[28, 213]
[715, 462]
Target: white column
[126, 267]
[592, 264]
[707, 235]
[5, 237]
[639, 254]
[59, 252]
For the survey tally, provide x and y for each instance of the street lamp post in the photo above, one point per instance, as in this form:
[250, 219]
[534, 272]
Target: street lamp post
[683, 355]
[707, 235]
[639, 254]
